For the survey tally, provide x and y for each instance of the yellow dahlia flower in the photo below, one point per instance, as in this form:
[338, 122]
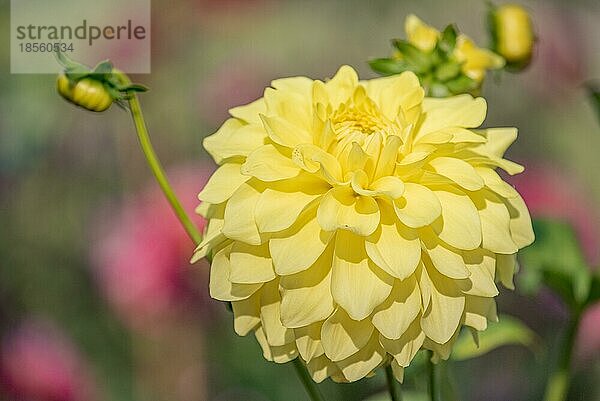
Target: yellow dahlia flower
[475, 60]
[352, 223]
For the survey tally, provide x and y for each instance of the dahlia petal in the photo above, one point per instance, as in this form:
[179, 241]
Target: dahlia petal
[458, 171]
[387, 158]
[246, 314]
[495, 223]
[394, 247]
[250, 264]
[223, 183]
[267, 164]
[520, 222]
[219, 285]
[401, 308]
[308, 341]
[482, 268]
[446, 260]
[239, 215]
[284, 353]
[362, 363]
[321, 368]
[211, 238]
[270, 312]
[292, 106]
[461, 226]
[312, 159]
[397, 370]
[288, 257]
[495, 183]
[505, 269]
[280, 205]
[234, 140]
[395, 93]
[425, 285]
[216, 142]
[478, 310]
[342, 85]
[459, 111]
[261, 337]
[392, 187]
[498, 140]
[342, 336]
[306, 296]
[418, 206]
[358, 285]
[406, 347]
[444, 314]
[284, 133]
[300, 85]
[340, 208]
[250, 112]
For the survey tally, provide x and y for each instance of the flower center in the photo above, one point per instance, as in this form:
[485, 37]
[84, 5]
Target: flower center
[350, 119]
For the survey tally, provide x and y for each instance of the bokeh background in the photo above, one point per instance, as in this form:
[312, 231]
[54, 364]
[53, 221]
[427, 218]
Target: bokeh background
[97, 300]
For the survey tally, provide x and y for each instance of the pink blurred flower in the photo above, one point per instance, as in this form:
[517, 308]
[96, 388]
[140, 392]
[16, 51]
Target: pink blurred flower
[551, 193]
[588, 338]
[141, 254]
[39, 363]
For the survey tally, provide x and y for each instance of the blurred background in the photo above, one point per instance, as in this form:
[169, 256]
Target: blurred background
[97, 300]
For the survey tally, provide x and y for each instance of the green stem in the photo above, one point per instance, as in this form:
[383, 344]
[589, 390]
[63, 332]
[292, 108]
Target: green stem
[309, 385]
[158, 171]
[432, 370]
[393, 385]
[558, 382]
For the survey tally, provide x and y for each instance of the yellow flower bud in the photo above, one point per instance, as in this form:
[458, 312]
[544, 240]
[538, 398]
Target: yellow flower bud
[87, 93]
[513, 33]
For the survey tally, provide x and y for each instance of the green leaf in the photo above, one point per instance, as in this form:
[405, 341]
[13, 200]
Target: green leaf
[462, 84]
[418, 61]
[387, 66]
[448, 40]
[135, 88]
[104, 67]
[594, 295]
[447, 71]
[406, 396]
[556, 260]
[508, 331]
[594, 93]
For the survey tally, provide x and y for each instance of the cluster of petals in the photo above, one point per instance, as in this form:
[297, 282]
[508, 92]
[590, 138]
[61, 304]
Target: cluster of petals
[353, 223]
[475, 60]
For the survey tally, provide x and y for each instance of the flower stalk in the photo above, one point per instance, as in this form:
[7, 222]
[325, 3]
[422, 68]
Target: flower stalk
[158, 171]
[392, 384]
[557, 387]
[309, 385]
[433, 375]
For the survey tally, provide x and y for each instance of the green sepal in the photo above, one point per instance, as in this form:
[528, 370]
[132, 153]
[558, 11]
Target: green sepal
[462, 84]
[415, 58]
[388, 66]
[103, 68]
[447, 71]
[447, 41]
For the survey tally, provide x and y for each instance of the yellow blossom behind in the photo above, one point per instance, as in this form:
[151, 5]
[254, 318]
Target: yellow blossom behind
[352, 223]
[475, 60]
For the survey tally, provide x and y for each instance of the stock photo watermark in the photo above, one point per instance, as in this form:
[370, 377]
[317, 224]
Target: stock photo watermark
[86, 30]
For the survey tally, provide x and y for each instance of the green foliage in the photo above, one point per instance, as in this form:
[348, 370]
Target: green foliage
[406, 396]
[507, 331]
[556, 260]
[438, 70]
